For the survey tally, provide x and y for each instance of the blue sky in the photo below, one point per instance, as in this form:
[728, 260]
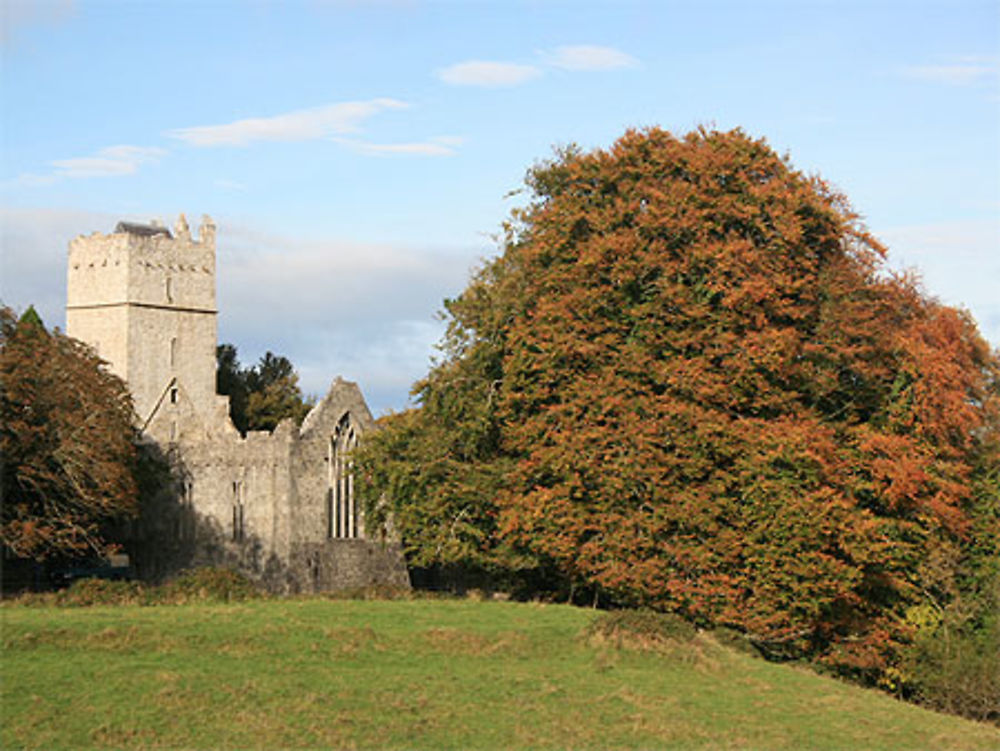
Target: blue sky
[356, 155]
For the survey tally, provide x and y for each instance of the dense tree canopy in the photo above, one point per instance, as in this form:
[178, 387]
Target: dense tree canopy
[260, 396]
[67, 441]
[690, 383]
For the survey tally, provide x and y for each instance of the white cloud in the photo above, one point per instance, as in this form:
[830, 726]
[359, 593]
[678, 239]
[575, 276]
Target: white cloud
[489, 74]
[33, 259]
[299, 125]
[15, 15]
[496, 74]
[441, 146]
[587, 57]
[30, 180]
[334, 307]
[226, 184]
[964, 71]
[958, 262]
[113, 161]
[384, 358]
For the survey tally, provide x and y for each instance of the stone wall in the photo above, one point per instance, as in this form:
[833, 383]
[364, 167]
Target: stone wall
[264, 503]
[346, 564]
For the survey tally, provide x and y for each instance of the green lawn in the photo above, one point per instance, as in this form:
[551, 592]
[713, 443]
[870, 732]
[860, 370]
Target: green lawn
[416, 674]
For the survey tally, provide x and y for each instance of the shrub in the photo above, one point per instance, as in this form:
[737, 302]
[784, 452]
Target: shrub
[195, 585]
[208, 584]
[956, 668]
[640, 629]
[89, 592]
[735, 640]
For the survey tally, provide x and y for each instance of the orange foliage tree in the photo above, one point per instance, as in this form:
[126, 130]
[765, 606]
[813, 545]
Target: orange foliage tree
[689, 383]
[70, 459]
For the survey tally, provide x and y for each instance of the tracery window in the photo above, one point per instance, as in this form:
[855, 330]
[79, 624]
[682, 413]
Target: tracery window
[342, 515]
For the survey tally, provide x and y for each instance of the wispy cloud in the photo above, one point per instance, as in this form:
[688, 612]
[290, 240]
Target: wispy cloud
[113, 161]
[497, 73]
[274, 293]
[29, 180]
[299, 125]
[589, 57]
[16, 15]
[389, 294]
[958, 262]
[489, 74]
[440, 146]
[227, 184]
[964, 71]
[33, 259]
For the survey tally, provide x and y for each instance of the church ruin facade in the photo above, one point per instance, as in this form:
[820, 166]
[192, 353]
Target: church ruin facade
[279, 506]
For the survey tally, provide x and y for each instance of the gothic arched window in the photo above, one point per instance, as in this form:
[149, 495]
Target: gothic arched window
[342, 515]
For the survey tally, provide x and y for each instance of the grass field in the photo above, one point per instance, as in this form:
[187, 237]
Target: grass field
[433, 674]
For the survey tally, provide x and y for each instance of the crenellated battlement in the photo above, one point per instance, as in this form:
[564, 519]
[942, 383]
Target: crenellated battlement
[145, 298]
[152, 238]
[144, 264]
[279, 505]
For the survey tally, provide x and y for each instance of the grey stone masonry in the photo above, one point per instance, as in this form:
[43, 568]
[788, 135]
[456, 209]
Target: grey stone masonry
[279, 506]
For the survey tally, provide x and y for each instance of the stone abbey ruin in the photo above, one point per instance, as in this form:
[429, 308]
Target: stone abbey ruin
[278, 506]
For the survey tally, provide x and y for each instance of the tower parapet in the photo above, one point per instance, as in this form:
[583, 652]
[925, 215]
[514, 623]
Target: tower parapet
[279, 506]
[145, 299]
[181, 229]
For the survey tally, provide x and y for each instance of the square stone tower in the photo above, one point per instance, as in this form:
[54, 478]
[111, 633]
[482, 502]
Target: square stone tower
[278, 506]
[144, 298]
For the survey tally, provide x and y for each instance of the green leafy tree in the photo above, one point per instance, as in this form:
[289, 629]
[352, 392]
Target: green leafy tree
[954, 661]
[440, 466]
[230, 380]
[263, 395]
[67, 440]
[689, 383]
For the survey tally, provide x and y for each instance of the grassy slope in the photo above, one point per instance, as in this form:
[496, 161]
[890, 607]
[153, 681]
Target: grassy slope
[416, 674]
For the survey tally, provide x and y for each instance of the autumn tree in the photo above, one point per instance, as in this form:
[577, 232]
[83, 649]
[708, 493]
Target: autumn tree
[262, 395]
[67, 441]
[690, 383]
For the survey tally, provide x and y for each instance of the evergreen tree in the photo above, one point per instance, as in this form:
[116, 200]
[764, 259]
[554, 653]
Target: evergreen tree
[263, 395]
